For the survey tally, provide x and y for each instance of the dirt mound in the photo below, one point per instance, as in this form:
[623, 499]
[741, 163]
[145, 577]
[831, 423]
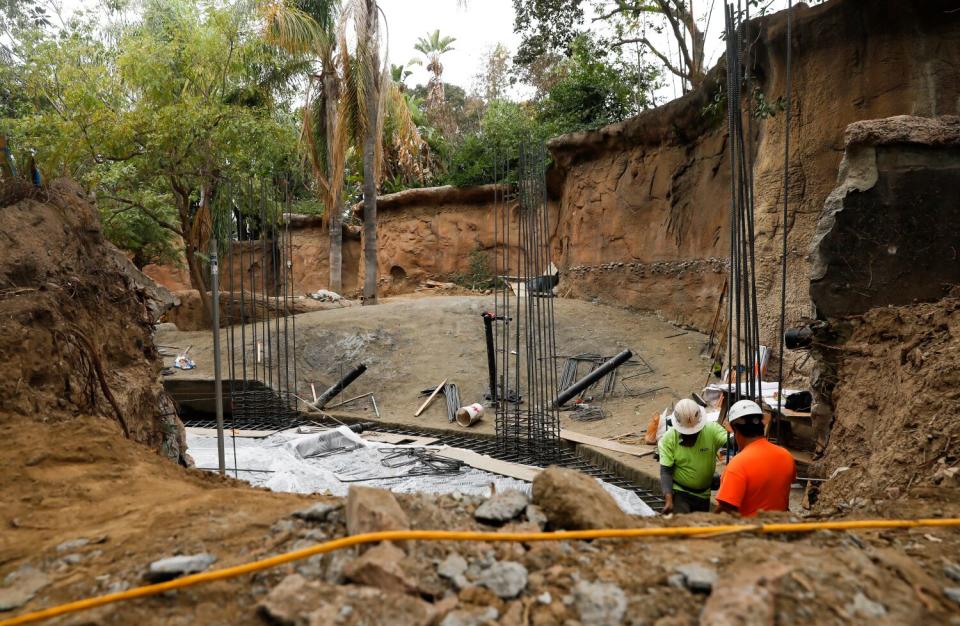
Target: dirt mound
[897, 399]
[78, 319]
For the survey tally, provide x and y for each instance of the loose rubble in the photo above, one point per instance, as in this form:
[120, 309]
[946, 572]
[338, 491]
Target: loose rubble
[502, 507]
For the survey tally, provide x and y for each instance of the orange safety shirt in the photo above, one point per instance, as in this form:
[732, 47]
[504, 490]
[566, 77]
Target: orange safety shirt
[758, 478]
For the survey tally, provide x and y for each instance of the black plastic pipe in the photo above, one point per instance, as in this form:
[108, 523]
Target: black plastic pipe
[341, 384]
[605, 368]
[491, 355]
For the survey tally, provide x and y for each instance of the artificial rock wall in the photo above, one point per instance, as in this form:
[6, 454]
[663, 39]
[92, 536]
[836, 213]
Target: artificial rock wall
[642, 207]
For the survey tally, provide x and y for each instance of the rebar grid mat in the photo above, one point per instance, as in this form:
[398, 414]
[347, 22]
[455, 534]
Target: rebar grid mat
[525, 342]
[488, 446]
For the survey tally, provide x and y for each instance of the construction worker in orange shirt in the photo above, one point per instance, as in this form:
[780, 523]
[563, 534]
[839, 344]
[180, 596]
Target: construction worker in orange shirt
[758, 478]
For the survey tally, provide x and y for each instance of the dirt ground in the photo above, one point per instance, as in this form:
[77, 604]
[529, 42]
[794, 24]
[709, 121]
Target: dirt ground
[412, 343]
[132, 507]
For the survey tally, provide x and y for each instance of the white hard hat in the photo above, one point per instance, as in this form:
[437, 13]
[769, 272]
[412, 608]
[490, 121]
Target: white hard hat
[744, 408]
[688, 417]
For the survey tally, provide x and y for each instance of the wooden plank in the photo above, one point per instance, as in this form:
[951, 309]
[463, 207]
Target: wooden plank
[430, 399]
[490, 464]
[212, 432]
[606, 444]
[395, 439]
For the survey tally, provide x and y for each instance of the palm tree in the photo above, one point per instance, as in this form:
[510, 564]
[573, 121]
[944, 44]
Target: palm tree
[368, 77]
[309, 27]
[432, 47]
[355, 98]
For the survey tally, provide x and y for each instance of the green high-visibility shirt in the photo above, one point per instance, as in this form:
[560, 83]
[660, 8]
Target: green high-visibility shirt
[693, 467]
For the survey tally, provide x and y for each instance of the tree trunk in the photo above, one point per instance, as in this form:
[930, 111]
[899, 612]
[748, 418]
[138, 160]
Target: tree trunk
[335, 283]
[372, 100]
[191, 249]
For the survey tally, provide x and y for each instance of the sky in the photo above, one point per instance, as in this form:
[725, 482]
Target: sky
[478, 27]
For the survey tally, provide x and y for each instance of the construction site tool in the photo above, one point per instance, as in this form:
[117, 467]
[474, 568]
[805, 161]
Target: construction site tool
[430, 399]
[452, 394]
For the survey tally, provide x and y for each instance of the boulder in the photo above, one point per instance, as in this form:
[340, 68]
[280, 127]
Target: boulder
[20, 586]
[471, 617]
[370, 510]
[176, 566]
[504, 578]
[299, 602]
[380, 567]
[575, 501]
[318, 512]
[501, 507]
[745, 596]
[697, 577]
[599, 604]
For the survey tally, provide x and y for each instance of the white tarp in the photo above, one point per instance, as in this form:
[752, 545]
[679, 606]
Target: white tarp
[297, 463]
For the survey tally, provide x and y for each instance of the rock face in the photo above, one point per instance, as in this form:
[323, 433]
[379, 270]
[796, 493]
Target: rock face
[575, 501]
[309, 251]
[888, 232]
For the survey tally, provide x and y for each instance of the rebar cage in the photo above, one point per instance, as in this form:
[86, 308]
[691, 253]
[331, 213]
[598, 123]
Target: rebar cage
[527, 423]
[252, 229]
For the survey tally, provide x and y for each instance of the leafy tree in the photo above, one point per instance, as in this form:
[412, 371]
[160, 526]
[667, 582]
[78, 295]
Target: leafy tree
[505, 125]
[552, 25]
[154, 117]
[492, 80]
[592, 91]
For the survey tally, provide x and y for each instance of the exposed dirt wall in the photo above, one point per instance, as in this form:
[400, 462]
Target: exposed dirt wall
[78, 317]
[640, 208]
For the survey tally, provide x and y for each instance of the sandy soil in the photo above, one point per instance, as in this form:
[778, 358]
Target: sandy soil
[412, 343]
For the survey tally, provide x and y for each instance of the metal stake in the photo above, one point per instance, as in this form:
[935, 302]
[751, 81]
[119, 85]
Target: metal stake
[217, 375]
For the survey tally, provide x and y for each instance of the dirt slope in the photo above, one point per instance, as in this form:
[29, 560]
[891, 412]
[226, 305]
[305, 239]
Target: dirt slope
[897, 430]
[77, 319]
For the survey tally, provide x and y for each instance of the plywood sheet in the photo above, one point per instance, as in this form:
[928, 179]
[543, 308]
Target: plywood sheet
[490, 464]
[606, 444]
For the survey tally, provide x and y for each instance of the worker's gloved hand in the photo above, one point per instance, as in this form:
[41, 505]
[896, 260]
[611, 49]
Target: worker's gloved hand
[667, 504]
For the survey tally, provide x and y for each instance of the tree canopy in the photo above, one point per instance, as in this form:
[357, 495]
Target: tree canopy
[152, 106]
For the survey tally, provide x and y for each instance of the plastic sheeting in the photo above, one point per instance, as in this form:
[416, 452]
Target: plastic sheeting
[327, 462]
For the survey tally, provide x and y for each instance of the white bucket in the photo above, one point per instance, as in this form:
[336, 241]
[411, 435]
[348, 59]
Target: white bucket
[469, 415]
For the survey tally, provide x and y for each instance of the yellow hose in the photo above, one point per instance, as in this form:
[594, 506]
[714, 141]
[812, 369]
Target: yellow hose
[443, 535]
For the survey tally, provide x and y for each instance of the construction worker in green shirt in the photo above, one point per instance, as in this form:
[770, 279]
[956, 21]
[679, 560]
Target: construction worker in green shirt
[688, 459]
